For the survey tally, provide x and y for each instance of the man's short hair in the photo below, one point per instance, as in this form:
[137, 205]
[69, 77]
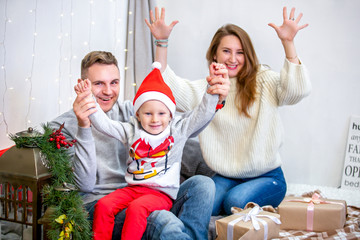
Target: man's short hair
[93, 57]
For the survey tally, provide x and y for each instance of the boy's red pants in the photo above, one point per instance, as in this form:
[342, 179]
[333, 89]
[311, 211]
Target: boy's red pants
[140, 202]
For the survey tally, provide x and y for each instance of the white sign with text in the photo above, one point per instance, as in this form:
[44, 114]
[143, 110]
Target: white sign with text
[351, 171]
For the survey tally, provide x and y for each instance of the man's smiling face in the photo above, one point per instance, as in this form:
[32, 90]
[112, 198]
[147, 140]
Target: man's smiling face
[105, 84]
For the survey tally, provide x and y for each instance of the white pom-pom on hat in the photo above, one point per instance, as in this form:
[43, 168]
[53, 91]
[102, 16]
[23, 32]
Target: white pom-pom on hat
[156, 65]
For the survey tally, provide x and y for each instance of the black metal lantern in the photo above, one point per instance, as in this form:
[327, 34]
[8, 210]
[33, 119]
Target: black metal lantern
[22, 176]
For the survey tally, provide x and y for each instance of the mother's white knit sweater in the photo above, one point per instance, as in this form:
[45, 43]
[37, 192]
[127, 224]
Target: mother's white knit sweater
[236, 146]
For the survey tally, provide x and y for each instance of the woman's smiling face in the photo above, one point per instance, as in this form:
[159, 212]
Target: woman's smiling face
[231, 54]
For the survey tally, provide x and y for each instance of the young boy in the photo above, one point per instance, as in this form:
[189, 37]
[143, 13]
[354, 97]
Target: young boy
[156, 138]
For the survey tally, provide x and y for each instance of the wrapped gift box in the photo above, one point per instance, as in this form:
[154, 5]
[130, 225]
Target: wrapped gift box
[312, 214]
[251, 224]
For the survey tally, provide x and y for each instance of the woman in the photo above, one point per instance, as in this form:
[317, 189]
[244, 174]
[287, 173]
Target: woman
[242, 142]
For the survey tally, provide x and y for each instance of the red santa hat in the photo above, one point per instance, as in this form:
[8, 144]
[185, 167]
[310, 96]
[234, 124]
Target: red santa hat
[154, 88]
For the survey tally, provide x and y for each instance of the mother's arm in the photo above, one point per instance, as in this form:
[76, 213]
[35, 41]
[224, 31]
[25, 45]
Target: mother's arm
[160, 31]
[287, 32]
[294, 80]
[219, 84]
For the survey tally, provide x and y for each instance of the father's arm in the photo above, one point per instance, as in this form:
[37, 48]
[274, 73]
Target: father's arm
[83, 154]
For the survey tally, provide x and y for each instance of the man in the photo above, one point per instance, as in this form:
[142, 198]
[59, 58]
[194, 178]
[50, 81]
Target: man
[101, 160]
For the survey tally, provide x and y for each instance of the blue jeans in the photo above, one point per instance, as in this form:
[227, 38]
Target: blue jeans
[267, 189]
[188, 219]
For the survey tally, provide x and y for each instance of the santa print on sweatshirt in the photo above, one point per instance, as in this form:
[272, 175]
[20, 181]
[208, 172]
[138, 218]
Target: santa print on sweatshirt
[149, 161]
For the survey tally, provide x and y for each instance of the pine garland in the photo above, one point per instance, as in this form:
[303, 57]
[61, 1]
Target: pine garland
[68, 218]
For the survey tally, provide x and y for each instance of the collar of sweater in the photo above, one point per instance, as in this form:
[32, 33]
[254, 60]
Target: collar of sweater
[233, 84]
[155, 140]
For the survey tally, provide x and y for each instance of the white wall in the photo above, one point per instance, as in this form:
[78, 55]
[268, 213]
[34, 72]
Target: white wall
[316, 129]
[38, 73]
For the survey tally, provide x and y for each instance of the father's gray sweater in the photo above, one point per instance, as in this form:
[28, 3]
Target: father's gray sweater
[99, 168]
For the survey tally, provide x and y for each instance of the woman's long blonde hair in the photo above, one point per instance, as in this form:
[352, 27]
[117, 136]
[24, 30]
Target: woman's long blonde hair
[246, 78]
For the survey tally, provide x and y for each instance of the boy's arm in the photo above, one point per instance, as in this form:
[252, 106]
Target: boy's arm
[213, 100]
[98, 118]
[111, 128]
[193, 122]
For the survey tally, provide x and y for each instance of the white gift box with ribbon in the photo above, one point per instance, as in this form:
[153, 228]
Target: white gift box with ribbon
[252, 223]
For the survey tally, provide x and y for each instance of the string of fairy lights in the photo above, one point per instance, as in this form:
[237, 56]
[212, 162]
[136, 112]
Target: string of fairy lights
[71, 50]
[29, 78]
[65, 55]
[91, 23]
[2, 114]
[61, 37]
[117, 21]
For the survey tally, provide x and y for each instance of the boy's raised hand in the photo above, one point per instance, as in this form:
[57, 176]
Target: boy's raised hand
[218, 80]
[84, 105]
[216, 69]
[83, 86]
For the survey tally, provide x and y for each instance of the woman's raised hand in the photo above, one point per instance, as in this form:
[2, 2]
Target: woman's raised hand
[157, 26]
[290, 26]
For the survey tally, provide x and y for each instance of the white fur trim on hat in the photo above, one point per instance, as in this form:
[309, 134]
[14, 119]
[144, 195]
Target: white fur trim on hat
[153, 95]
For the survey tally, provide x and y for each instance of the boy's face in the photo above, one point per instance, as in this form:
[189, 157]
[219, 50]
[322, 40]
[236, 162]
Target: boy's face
[154, 116]
[105, 84]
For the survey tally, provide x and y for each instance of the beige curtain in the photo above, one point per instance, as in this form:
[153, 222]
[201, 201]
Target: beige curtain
[140, 48]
